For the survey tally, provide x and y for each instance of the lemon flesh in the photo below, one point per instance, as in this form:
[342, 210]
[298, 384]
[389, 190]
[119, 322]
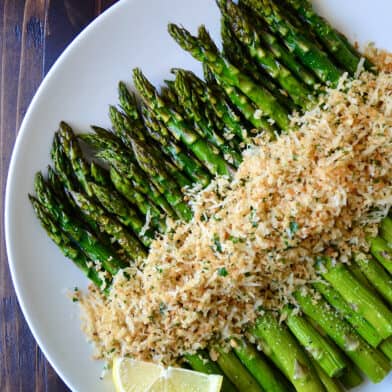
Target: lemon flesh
[136, 376]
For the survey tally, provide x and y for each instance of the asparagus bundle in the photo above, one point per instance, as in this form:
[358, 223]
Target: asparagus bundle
[96, 216]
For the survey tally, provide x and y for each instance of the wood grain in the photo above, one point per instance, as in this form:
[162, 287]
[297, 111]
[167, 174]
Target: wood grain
[33, 33]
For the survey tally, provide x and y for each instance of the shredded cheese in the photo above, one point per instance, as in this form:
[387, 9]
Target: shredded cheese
[318, 190]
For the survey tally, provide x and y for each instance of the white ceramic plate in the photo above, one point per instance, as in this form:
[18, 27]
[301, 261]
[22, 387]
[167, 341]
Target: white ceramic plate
[78, 89]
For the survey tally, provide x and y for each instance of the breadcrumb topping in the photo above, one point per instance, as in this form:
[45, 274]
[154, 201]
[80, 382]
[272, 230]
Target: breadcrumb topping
[318, 190]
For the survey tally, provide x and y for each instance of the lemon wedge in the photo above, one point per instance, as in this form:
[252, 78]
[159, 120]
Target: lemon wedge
[130, 375]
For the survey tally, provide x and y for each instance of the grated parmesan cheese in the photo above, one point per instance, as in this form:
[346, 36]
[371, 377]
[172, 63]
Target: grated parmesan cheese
[253, 239]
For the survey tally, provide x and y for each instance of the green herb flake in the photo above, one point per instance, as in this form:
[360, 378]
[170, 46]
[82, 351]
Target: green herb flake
[162, 308]
[253, 217]
[222, 272]
[217, 244]
[293, 228]
[236, 240]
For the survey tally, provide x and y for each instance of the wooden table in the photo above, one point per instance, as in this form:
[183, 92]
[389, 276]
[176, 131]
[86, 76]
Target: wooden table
[33, 33]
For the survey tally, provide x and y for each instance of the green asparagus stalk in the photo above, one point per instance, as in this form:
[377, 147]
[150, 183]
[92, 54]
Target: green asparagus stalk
[70, 250]
[162, 180]
[202, 49]
[386, 348]
[382, 251]
[370, 361]
[386, 229]
[237, 55]
[145, 206]
[99, 175]
[191, 104]
[248, 109]
[283, 54]
[136, 131]
[336, 44]
[62, 165]
[330, 384]
[351, 378]
[358, 296]
[363, 328]
[130, 244]
[115, 204]
[201, 362]
[236, 372]
[73, 151]
[88, 243]
[361, 278]
[376, 274]
[182, 159]
[258, 367]
[213, 96]
[245, 33]
[319, 348]
[286, 353]
[125, 164]
[213, 161]
[297, 42]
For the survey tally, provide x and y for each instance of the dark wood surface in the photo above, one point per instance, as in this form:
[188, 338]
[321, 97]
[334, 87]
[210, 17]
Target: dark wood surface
[33, 33]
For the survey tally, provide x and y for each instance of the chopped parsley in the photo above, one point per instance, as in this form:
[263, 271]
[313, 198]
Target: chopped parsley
[217, 244]
[222, 272]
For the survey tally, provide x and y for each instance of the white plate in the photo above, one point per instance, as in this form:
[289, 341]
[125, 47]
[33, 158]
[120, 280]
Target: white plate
[78, 89]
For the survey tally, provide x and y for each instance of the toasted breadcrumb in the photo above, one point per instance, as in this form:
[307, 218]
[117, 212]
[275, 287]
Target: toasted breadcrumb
[318, 190]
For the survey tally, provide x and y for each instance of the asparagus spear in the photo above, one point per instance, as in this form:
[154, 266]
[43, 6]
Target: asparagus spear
[297, 42]
[64, 180]
[363, 328]
[320, 349]
[330, 384]
[361, 299]
[237, 55]
[286, 353]
[247, 108]
[183, 160]
[125, 164]
[351, 378]
[236, 372]
[115, 204]
[377, 275]
[89, 244]
[382, 251]
[130, 244]
[145, 206]
[213, 96]
[191, 104]
[386, 348]
[213, 161]
[70, 250]
[245, 33]
[100, 175]
[260, 369]
[370, 361]
[62, 165]
[73, 151]
[203, 49]
[337, 45]
[136, 130]
[201, 362]
[280, 52]
[361, 278]
[386, 229]
[162, 180]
